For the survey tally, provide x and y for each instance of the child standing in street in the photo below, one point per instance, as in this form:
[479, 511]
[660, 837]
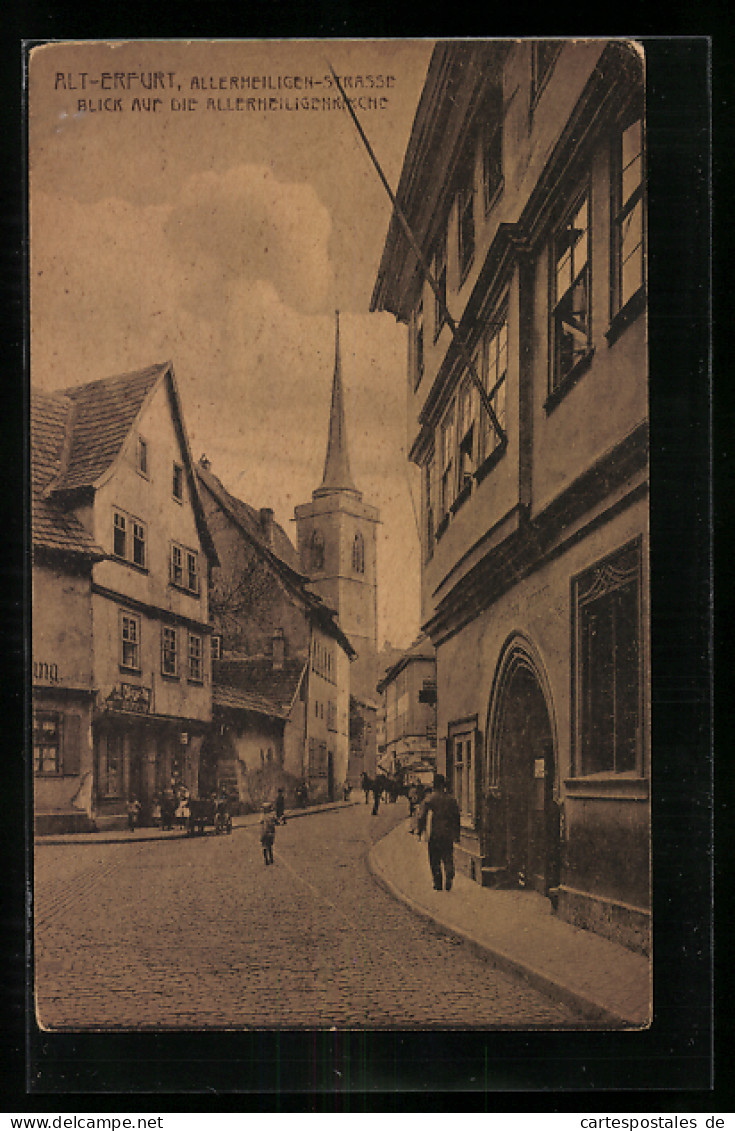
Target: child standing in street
[267, 832]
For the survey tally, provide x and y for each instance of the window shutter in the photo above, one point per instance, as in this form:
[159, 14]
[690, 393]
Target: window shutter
[72, 744]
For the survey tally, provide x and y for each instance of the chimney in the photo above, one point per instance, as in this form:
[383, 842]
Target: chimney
[279, 649]
[266, 525]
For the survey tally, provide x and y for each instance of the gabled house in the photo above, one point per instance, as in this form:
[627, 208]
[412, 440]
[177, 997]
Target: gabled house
[524, 184]
[63, 555]
[123, 473]
[282, 677]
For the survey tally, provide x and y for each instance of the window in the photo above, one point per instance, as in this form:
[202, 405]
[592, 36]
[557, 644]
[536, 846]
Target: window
[316, 550]
[358, 553]
[129, 539]
[331, 716]
[142, 456]
[571, 281]
[466, 218]
[169, 651]
[47, 742]
[184, 568]
[543, 57]
[461, 758]
[216, 647]
[608, 667]
[492, 160]
[111, 765]
[429, 474]
[418, 343]
[177, 485]
[119, 535]
[447, 461]
[196, 669]
[466, 416]
[139, 543]
[440, 275]
[129, 641]
[627, 206]
[494, 373]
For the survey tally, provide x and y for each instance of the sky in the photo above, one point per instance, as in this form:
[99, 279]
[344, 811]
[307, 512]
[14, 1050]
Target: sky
[167, 224]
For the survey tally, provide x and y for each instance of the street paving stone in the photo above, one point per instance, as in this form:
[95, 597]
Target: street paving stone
[199, 934]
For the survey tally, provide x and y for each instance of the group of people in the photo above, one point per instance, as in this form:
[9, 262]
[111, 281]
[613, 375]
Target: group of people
[434, 812]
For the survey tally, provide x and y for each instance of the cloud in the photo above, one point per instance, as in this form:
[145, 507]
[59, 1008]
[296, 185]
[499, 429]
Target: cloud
[244, 224]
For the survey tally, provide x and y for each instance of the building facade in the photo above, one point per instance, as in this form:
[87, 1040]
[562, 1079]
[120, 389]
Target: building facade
[524, 185]
[282, 674]
[124, 473]
[408, 689]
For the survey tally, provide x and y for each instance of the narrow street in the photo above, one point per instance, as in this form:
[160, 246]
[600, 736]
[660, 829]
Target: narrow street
[198, 933]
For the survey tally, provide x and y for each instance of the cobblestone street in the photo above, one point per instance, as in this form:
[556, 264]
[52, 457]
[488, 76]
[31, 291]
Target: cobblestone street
[198, 933]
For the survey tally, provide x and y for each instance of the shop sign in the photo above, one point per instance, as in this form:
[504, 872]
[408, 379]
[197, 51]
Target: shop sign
[130, 697]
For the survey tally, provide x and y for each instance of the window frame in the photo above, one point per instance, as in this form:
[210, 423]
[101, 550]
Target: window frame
[465, 787]
[466, 233]
[418, 341]
[41, 771]
[358, 553]
[317, 549]
[447, 479]
[541, 75]
[591, 586]
[440, 276]
[133, 642]
[620, 210]
[195, 658]
[134, 534]
[177, 473]
[180, 572]
[559, 304]
[142, 465]
[173, 673]
[492, 139]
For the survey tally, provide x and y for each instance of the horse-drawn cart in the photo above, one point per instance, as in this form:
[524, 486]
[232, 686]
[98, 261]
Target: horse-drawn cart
[212, 811]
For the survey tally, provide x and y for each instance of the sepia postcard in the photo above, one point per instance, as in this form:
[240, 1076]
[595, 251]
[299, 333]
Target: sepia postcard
[341, 640]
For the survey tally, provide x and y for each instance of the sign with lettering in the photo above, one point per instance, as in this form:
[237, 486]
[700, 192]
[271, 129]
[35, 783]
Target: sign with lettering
[130, 697]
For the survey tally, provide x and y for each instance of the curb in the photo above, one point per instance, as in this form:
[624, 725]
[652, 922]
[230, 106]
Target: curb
[586, 1006]
[250, 820]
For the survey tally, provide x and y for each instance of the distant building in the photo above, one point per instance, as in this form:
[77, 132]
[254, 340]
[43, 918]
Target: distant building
[524, 183]
[281, 676]
[337, 540]
[409, 703]
[115, 460]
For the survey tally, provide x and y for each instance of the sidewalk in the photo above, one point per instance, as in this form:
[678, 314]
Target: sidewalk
[125, 836]
[516, 931]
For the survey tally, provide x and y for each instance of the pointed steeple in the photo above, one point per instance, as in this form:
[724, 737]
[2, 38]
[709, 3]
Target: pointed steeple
[337, 475]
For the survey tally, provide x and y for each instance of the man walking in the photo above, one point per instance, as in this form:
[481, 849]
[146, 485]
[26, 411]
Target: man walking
[443, 833]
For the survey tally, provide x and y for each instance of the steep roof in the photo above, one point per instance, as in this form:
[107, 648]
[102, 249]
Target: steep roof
[103, 414]
[279, 546]
[98, 419]
[278, 551]
[239, 699]
[256, 677]
[337, 475]
[52, 528]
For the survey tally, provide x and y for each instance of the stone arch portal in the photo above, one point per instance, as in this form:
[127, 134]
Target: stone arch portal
[522, 833]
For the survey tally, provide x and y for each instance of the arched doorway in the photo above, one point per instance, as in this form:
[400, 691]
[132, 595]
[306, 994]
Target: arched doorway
[523, 812]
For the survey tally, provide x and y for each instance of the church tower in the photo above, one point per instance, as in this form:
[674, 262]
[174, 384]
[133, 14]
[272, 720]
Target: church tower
[337, 540]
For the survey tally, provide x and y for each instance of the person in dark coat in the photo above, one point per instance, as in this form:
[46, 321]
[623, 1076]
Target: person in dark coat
[378, 786]
[443, 811]
[365, 786]
[267, 832]
[280, 806]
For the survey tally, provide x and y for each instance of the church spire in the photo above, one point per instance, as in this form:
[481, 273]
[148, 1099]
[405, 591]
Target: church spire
[337, 476]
